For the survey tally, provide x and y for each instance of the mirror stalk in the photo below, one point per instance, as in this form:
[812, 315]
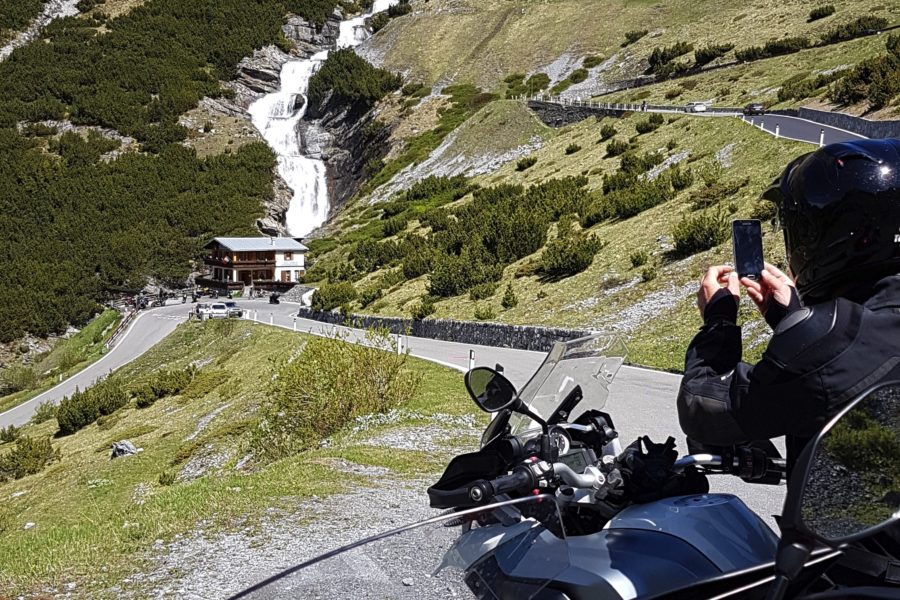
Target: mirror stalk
[789, 562]
[546, 451]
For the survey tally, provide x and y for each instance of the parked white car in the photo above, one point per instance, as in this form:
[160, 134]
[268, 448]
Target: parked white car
[695, 107]
[218, 310]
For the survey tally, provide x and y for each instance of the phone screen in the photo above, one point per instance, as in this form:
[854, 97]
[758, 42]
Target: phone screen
[748, 253]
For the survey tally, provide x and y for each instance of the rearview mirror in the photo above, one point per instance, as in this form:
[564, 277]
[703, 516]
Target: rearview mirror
[490, 390]
[852, 483]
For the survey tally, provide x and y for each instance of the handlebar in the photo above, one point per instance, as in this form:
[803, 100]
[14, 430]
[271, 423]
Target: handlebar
[738, 467]
[573, 479]
[523, 479]
[520, 479]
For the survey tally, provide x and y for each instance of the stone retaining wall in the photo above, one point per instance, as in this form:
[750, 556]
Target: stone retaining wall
[520, 337]
[558, 115]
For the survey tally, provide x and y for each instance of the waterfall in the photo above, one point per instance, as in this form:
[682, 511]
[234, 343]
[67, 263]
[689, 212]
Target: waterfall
[277, 115]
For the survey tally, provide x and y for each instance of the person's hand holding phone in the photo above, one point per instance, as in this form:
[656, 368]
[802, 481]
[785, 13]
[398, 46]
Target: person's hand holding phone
[712, 292]
[773, 294]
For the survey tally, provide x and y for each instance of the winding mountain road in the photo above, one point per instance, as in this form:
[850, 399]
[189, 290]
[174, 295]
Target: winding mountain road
[642, 401]
[802, 130]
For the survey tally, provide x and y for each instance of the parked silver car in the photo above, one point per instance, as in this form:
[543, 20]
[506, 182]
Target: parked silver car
[234, 310]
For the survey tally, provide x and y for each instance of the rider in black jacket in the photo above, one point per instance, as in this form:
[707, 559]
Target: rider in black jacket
[836, 334]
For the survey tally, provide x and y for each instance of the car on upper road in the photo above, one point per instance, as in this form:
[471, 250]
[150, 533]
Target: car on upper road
[695, 107]
[755, 108]
[233, 309]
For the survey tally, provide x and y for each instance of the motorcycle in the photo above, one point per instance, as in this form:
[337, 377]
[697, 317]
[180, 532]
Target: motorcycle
[552, 508]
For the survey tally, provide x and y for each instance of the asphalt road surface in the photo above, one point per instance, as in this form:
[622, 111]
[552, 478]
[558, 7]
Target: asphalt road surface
[802, 130]
[641, 402]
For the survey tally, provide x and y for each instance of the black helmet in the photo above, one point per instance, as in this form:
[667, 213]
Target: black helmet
[840, 210]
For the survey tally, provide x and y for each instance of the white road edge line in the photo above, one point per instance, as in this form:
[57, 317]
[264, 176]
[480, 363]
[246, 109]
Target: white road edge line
[821, 125]
[793, 139]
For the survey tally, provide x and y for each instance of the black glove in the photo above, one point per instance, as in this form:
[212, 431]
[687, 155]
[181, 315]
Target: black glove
[648, 474]
[777, 312]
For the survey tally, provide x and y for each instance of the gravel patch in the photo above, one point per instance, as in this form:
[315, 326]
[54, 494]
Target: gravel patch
[430, 438]
[204, 422]
[649, 308]
[200, 565]
[203, 462]
[394, 416]
[671, 161]
[444, 163]
[724, 156]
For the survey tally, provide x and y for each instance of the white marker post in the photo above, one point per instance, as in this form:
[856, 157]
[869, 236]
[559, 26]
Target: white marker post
[271, 318]
[777, 131]
[471, 359]
[821, 138]
[295, 323]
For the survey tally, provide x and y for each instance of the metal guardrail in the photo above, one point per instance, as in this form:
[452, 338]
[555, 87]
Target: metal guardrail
[623, 106]
[123, 326]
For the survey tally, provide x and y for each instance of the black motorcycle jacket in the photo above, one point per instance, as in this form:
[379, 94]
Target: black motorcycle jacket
[819, 358]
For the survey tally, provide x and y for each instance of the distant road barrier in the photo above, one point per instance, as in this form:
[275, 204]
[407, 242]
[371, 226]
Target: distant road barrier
[583, 107]
[126, 321]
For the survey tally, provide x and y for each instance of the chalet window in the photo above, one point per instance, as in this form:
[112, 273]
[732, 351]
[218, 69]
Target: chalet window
[288, 256]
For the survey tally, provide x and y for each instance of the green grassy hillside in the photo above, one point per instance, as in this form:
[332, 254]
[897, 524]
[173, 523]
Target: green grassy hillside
[650, 302]
[482, 41]
[632, 261]
[198, 463]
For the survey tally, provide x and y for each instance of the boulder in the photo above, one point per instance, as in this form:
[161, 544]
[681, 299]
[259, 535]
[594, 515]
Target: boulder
[123, 448]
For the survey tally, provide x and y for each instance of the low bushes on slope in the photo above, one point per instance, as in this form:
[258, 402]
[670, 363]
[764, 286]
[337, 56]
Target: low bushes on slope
[332, 295]
[519, 86]
[862, 26]
[570, 253]
[346, 79]
[30, 456]
[83, 408]
[16, 14]
[876, 80]
[820, 12]
[773, 48]
[328, 385]
[701, 231]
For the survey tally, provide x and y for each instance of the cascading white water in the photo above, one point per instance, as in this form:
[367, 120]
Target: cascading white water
[276, 117]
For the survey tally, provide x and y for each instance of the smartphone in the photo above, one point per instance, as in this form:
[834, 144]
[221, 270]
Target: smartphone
[748, 254]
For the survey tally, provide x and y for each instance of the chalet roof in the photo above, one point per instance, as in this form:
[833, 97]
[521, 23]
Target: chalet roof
[259, 244]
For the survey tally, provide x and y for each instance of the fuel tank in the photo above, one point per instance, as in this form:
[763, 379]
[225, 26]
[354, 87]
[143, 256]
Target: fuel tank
[651, 548]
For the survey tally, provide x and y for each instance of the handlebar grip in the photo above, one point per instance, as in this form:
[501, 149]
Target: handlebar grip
[520, 479]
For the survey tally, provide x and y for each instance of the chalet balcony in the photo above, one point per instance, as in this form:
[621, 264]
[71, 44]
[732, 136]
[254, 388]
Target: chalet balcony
[239, 264]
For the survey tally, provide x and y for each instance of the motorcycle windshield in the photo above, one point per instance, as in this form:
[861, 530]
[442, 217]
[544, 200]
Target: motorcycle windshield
[509, 549]
[590, 362]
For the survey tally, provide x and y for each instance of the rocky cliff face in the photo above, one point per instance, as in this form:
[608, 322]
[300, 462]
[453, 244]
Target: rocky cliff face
[342, 137]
